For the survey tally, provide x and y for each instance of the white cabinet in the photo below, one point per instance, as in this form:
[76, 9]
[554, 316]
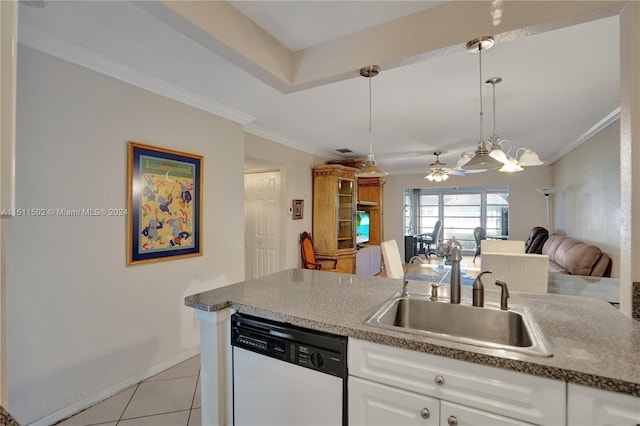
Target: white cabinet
[374, 404]
[368, 260]
[478, 390]
[590, 407]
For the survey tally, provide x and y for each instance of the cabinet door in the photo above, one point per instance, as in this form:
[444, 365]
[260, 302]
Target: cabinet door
[346, 214]
[458, 415]
[590, 407]
[511, 394]
[373, 404]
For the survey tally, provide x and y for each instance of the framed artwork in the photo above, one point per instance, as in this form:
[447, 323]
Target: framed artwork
[298, 209]
[164, 190]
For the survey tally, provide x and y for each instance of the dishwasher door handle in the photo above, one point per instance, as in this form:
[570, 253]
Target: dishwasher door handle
[281, 334]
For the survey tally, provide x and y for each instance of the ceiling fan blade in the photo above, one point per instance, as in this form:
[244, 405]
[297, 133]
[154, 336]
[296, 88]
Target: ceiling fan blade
[454, 172]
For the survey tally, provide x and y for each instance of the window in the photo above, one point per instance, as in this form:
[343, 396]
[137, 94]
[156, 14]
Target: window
[461, 210]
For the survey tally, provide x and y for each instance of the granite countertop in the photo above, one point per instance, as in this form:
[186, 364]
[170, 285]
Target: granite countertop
[593, 343]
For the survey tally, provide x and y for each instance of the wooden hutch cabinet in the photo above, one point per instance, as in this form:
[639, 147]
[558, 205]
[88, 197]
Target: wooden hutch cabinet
[334, 212]
[370, 199]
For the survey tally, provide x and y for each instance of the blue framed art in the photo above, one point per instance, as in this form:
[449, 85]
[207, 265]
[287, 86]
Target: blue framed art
[165, 204]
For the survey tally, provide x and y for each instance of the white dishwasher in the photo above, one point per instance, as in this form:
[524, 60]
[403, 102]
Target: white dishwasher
[286, 375]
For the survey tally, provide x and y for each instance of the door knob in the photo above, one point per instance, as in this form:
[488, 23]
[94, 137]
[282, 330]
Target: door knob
[439, 380]
[452, 421]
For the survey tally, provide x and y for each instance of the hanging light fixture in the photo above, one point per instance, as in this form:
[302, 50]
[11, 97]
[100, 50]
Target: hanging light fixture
[481, 159]
[370, 168]
[528, 157]
[497, 151]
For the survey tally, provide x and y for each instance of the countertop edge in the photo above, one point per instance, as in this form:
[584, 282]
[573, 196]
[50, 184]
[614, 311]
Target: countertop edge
[521, 366]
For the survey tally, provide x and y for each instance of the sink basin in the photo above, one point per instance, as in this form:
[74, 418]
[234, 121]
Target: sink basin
[513, 330]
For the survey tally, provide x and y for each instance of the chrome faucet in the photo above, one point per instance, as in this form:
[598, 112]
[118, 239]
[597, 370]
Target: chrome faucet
[456, 258]
[478, 290]
[404, 279]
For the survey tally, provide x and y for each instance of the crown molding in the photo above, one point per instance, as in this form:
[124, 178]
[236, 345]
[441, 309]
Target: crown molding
[586, 135]
[71, 52]
[262, 132]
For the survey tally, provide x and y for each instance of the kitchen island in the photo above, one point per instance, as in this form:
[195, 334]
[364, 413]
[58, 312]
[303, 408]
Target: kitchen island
[593, 344]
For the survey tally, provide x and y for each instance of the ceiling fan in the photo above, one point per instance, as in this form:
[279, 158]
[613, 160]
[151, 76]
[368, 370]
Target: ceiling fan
[439, 172]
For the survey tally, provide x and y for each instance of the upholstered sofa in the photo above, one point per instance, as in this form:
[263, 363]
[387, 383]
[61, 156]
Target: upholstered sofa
[570, 256]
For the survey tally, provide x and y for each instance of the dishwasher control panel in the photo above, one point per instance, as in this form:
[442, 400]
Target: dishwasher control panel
[307, 348]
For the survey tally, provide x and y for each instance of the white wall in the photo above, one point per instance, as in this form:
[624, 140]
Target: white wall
[79, 321]
[527, 207]
[297, 183]
[587, 198]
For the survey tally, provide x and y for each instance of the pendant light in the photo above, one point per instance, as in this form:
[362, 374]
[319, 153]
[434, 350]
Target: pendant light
[497, 151]
[481, 159]
[370, 168]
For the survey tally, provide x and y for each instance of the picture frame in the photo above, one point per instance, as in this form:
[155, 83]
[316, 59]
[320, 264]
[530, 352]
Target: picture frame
[164, 200]
[298, 209]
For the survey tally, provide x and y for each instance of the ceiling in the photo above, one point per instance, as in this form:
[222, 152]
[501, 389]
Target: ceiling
[560, 83]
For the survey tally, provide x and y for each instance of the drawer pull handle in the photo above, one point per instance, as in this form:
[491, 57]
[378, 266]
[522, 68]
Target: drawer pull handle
[439, 380]
[452, 421]
[424, 413]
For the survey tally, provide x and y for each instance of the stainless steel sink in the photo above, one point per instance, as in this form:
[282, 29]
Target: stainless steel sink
[514, 330]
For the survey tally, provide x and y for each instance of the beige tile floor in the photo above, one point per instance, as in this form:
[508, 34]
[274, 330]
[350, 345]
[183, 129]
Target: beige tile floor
[170, 398]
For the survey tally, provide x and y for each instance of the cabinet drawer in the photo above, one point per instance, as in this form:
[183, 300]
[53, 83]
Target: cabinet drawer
[459, 415]
[589, 406]
[522, 396]
[373, 404]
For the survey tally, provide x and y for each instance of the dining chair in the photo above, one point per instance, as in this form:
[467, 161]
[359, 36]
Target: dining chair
[392, 259]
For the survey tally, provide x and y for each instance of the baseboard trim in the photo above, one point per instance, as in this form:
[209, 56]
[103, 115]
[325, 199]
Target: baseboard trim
[112, 390]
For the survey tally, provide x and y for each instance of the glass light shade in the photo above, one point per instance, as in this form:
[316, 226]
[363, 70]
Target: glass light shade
[371, 169]
[437, 176]
[511, 167]
[496, 149]
[529, 158]
[464, 159]
[499, 155]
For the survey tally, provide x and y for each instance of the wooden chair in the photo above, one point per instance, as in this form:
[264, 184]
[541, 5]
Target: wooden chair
[309, 256]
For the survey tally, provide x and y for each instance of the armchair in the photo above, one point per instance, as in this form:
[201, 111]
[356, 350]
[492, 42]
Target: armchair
[308, 256]
[536, 240]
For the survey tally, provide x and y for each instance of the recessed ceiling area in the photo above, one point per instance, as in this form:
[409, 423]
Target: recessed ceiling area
[559, 80]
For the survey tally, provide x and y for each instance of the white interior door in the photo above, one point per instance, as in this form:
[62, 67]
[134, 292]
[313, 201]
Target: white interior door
[262, 223]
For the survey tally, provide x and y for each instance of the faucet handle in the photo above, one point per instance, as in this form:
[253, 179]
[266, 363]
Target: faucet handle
[504, 295]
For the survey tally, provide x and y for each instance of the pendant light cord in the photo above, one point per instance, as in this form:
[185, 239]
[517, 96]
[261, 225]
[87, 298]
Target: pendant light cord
[493, 84]
[370, 127]
[481, 112]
